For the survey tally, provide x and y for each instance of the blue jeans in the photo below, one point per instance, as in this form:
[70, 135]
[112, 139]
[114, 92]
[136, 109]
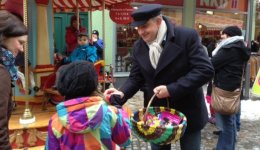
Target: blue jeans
[227, 137]
[188, 141]
[238, 114]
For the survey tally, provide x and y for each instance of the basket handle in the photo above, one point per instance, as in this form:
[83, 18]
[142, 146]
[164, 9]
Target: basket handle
[146, 111]
[150, 102]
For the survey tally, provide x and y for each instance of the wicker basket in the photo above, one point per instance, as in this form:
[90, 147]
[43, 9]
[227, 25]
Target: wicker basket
[168, 127]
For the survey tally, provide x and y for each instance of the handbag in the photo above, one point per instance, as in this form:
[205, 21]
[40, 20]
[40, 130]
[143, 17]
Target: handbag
[225, 102]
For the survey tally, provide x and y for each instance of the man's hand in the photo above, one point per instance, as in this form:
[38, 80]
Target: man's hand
[115, 97]
[161, 91]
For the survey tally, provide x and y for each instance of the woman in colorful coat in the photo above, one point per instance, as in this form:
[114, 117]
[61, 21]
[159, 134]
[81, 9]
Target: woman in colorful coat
[85, 120]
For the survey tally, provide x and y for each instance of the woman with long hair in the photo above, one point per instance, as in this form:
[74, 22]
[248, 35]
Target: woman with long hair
[13, 35]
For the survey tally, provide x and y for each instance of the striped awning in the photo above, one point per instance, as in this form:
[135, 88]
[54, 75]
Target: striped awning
[83, 5]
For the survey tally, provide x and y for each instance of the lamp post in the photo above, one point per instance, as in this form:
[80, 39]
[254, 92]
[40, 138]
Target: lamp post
[27, 116]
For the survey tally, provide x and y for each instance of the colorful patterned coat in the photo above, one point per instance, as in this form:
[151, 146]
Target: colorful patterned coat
[88, 123]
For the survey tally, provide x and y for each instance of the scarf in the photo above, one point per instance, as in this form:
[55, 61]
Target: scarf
[8, 60]
[155, 46]
[227, 41]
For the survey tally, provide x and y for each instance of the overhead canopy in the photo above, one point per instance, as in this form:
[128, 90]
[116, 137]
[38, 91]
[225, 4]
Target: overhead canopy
[215, 22]
[83, 5]
[213, 26]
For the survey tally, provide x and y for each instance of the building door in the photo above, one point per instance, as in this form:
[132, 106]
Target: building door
[61, 21]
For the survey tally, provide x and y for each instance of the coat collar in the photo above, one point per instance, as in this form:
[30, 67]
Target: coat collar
[142, 54]
[169, 52]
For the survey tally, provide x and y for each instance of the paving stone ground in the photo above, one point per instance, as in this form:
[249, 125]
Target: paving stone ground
[248, 137]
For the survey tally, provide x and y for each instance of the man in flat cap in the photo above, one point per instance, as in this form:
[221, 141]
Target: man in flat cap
[169, 61]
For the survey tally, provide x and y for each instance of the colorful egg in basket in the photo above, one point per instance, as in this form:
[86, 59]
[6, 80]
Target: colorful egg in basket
[160, 126]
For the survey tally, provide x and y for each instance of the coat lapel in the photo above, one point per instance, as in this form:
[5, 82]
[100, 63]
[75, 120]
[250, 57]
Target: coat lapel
[143, 56]
[170, 50]
[169, 53]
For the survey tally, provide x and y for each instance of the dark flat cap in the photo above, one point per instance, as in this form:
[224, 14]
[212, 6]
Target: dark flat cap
[144, 13]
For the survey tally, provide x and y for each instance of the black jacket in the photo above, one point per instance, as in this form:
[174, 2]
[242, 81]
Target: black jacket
[183, 67]
[228, 64]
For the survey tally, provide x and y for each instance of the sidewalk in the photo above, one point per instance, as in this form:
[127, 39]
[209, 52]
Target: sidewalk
[248, 137]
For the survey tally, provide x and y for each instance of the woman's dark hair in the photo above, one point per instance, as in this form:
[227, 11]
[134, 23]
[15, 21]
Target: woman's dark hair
[11, 25]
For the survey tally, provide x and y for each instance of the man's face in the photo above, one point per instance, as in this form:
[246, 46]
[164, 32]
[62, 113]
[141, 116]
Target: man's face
[148, 31]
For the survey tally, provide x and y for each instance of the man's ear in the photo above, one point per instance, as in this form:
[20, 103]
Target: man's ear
[159, 21]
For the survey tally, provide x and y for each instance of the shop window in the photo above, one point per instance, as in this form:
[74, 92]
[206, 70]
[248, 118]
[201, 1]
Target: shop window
[126, 36]
[257, 22]
[255, 46]
[213, 16]
[209, 24]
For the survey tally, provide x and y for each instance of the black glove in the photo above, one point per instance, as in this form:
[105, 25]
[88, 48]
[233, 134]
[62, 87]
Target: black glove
[117, 101]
